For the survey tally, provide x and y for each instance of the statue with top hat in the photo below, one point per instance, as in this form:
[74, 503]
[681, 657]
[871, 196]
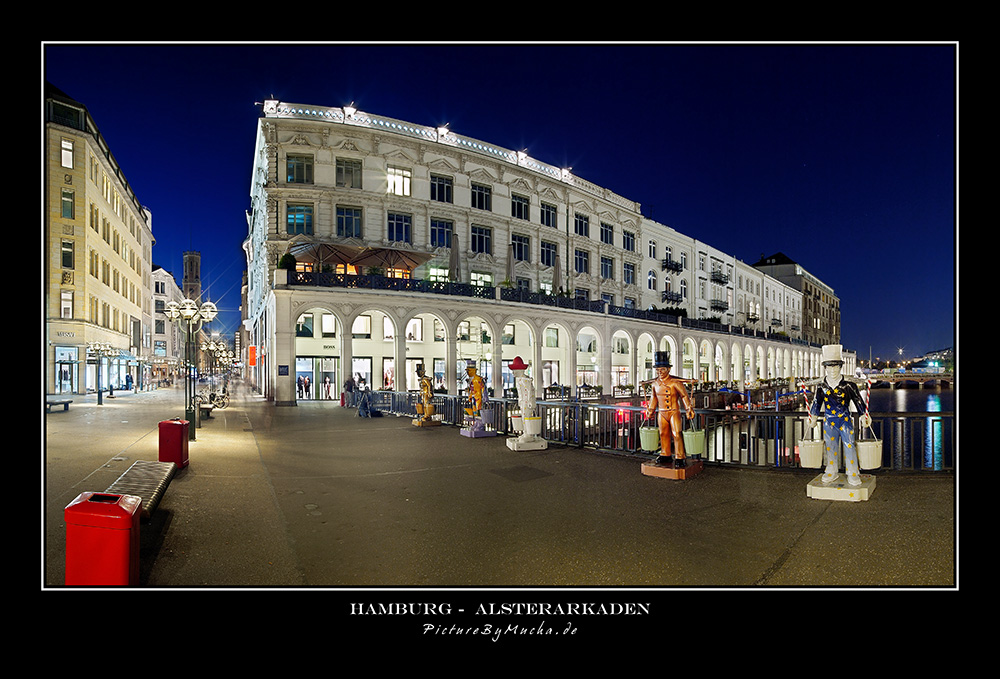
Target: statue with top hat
[834, 396]
[668, 395]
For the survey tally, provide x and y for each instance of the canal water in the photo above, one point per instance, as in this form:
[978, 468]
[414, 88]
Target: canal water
[926, 443]
[926, 400]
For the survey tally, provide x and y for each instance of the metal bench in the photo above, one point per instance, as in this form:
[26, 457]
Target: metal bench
[64, 402]
[147, 480]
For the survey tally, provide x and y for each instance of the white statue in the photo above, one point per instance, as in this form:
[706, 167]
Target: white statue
[531, 424]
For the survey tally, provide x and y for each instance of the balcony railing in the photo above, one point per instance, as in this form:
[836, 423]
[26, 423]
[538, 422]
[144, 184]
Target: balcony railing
[760, 439]
[367, 282]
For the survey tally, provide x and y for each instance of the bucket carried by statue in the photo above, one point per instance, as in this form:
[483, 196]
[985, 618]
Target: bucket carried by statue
[870, 452]
[811, 451]
[649, 436]
[694, 441]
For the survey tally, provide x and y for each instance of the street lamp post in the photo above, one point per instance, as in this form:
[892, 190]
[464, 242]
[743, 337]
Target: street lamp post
[100, 350]
[189, 318]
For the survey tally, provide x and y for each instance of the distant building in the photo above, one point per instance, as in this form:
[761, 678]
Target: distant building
[98, 259]
[820, 305]
[168, 343]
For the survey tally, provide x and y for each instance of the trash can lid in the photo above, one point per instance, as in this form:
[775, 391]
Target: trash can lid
[103, 510]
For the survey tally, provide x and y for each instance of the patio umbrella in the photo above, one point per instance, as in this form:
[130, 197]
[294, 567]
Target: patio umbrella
[510, 264]
[455, 261]
[390, 258]
[325, 253]
[556, 276]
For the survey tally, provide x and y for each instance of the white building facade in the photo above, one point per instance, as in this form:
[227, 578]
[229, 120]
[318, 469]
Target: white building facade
[415, 245]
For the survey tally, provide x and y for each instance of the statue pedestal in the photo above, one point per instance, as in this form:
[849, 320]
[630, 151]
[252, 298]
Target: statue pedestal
[476, 433]
[520, 443]
[667, 471]
[421, 422]
[840, 489]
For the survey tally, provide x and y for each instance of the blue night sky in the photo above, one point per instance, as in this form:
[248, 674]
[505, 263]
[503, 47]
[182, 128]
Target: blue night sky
[842, 156]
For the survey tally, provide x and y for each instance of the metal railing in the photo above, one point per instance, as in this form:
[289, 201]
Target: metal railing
[911, 442]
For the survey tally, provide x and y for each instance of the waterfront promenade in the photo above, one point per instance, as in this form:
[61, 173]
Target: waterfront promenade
[313, 496]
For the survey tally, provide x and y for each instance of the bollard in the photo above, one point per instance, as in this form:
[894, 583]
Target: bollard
[102, 539]
[174, 442]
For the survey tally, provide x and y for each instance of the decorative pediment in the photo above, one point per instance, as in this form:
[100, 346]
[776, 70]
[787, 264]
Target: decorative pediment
[481, 174]
[520, 184]
[398, 155]
[442, 165]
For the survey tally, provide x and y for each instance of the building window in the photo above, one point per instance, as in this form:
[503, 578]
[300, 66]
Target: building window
[300, 169]
[68, 204]
[581, 259]
[522, 247]
[399, 181]
[349, 222]
[441, 189]
[399, 227]
[65, 304]
[628, 273]
[348, 173]
[548, 215]
[548, 254]
[630, 303]
[628, 240]
[67, 254]
[67, 153]
[607, 268]
[482, 240]
[607, 233]
[481, 279]
[438, 274]
[652, 249]
[441, 233]
[519, 207]
[482, 197]
[651, 280]
[581, 225]
[300, 219]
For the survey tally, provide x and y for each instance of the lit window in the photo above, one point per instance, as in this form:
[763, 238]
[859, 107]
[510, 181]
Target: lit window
[67, 153]
[399, 181]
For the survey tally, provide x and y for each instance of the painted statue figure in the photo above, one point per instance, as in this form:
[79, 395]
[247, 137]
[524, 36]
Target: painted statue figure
[525, 387]
[426, 391]
[668, 394]
[477, 392]
[834, 396]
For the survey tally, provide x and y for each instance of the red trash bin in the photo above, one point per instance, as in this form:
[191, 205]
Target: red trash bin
[174, 442]
[102, 539]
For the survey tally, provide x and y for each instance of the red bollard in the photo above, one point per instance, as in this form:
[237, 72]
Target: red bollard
[102, 539]
[174, 442]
